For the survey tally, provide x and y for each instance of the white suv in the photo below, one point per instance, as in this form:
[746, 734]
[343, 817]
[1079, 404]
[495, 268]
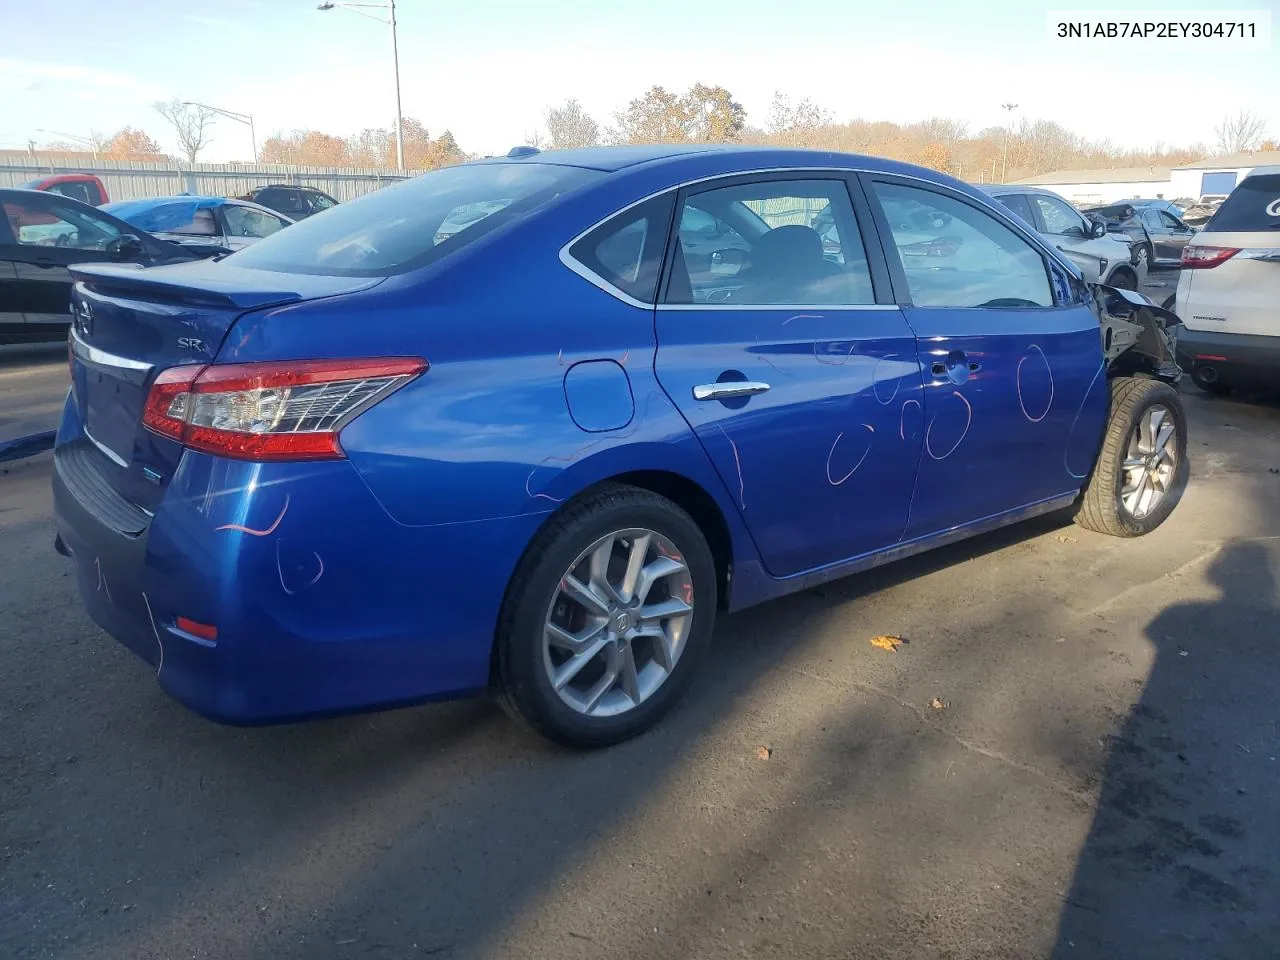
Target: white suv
[1229, 292]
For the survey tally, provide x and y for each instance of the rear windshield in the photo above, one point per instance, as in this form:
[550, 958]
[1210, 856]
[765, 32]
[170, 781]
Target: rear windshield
[1253, 206]
[407, 225]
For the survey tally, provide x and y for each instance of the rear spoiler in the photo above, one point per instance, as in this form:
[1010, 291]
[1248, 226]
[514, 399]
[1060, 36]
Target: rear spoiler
[213, 283]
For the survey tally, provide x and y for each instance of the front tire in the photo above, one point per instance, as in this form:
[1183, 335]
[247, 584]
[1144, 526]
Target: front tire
[1142, 469]
[1123, 279]
[606, 618]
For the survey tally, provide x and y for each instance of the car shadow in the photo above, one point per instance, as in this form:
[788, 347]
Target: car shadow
[1184, 852]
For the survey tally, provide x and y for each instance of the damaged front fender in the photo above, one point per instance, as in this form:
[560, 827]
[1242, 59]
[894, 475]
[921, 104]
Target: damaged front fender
[1137, 336]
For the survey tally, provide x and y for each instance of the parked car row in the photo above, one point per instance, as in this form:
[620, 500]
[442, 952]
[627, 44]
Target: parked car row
[1155, 225]
[65, 219]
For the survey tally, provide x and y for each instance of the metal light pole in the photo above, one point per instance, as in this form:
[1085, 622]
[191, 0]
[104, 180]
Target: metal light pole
[91, 143]
[231, 115]
[1004, 162]
[390, 7]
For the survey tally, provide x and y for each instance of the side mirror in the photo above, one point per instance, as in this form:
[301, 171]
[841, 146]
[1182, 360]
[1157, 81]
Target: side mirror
[727, 262]
[1097, 229]
[125, 248]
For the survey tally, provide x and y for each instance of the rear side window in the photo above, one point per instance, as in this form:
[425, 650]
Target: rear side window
[1017, 203]
[1252, 207]
[410, 224]
[626, 251]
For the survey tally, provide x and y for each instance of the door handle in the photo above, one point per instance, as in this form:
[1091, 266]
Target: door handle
[955, 361]
[728, 389]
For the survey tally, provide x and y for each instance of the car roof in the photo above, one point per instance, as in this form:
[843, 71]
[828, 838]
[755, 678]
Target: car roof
[1004, 189]
[726, 158]
[143, 204]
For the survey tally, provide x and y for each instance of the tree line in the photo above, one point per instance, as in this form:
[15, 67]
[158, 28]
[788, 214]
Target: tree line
[705, 113]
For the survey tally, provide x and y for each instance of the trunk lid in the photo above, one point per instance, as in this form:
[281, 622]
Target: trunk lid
[131, 323]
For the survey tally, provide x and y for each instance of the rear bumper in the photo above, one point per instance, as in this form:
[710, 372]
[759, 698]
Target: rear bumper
[1235, 358]
[322, 603]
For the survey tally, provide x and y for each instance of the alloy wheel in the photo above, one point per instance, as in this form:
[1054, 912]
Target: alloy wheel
[1150, 462]
[617, 623]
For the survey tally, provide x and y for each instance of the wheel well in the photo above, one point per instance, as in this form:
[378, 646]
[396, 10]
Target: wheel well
[695, 501]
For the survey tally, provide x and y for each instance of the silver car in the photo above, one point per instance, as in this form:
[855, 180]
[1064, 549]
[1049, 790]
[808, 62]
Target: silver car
[1102, 257]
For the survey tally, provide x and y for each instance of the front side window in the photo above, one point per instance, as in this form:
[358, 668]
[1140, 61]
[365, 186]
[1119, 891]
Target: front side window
[320, 202]
[626, 251]
[288, 202]
[1017, 203]
[955, 255]
[248, 222]
[414, 222]
[1169, 221]
[777, 242]
[1059, 218]
[54, 224]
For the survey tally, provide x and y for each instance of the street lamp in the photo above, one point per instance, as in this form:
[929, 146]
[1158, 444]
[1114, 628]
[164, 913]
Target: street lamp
[390, 7]
[1004, 162]
[230, 115]
[92, 144]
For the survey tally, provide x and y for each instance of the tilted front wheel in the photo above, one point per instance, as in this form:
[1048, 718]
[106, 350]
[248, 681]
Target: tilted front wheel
[606, 617]
[1142, 468]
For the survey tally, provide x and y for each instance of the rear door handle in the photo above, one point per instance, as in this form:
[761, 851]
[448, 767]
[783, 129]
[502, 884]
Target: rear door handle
[729, 389]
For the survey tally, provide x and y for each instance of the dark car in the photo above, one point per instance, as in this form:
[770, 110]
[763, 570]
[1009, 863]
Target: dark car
[296, 203]
[355, 465]
[41, 235]
[1157, 224]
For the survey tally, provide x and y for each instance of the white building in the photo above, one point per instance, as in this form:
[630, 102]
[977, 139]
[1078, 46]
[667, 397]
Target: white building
[1217, 176]
[1213, 176]
[1084, 187]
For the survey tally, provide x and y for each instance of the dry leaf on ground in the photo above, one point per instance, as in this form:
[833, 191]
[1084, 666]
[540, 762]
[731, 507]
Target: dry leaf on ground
[1063, 538]
[764, 753]
[886, 642]
[938, 703]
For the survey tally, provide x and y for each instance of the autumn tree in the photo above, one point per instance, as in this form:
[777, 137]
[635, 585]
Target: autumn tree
[569, 126]
[659, 116]
[713, 115]
[190, 122]
[131, 143]
[1240, 133]
[306, 147]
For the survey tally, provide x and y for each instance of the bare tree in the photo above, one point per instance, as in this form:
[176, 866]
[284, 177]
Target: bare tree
[569, 126]
[1241, 133]
[795, 124]
[190, 124]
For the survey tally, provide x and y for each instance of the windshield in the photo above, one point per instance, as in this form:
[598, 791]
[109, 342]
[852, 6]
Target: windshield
[407, 225]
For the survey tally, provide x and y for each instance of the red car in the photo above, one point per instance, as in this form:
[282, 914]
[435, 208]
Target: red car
[84, 187]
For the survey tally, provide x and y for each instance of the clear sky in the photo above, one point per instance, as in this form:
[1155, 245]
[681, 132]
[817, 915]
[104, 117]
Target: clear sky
[487, 69]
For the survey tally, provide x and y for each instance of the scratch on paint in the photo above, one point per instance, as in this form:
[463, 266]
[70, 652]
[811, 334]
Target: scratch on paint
[844, 358]
[830, 453]
[802, 316]
[103, 586]
[1066, 452]
[159, 642]
[965, 433]
[1023, 405]
[625, 357]
[311, 583]
[876, 381]
[636, 421]
[737, 462]
[560, 357]
[902, 416]
[259, 533]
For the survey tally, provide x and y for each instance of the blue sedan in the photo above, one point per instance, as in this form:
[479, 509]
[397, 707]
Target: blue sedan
[525, 425]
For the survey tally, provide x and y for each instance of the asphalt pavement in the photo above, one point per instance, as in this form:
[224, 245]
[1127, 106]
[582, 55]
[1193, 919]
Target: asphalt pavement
[33, 386]
[1073, 756]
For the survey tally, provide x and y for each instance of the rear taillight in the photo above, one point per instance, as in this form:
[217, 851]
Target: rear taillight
[1195, 256]
[290, 410]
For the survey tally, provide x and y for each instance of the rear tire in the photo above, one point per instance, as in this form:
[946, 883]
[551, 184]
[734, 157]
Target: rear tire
[1206, 378]
[545, 599]
[1139, 477]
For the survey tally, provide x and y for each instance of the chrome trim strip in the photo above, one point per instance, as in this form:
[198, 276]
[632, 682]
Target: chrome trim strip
[101, 358]
[105, 450]
[811, 307]
[989, 203]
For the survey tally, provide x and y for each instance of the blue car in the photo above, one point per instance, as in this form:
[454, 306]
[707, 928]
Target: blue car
[526, 424]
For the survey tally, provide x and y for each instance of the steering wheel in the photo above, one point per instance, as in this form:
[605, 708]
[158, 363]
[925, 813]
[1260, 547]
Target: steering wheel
[62, 240]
